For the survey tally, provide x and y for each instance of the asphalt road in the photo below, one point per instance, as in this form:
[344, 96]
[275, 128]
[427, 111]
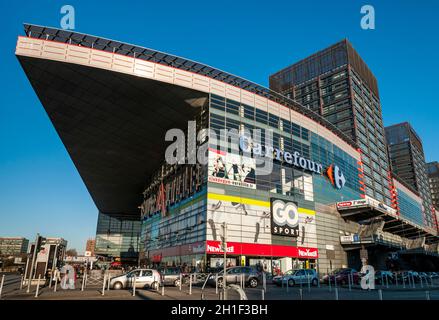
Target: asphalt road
[11, 283]
[11, 291]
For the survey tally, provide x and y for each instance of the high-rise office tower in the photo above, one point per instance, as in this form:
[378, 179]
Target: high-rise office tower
[407, 161]
[337, 84]
[433, 180]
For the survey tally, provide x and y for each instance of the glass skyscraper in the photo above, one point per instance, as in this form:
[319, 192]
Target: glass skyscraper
[408, 163]
[433, 179]
[338, 85]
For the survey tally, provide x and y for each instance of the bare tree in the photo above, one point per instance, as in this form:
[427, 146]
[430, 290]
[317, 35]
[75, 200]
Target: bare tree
[71, 253]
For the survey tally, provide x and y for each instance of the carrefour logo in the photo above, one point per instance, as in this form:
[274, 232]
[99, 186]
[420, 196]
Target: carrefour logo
[336, 176]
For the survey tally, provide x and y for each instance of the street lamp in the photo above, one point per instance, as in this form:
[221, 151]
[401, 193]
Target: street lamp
[224, 245]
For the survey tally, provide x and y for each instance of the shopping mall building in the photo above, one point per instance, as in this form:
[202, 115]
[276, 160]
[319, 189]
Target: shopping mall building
[112, 105]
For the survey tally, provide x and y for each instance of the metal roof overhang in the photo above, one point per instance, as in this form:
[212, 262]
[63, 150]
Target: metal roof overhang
[112, 124]
[108, 45]
[394, 225]
[361, 213]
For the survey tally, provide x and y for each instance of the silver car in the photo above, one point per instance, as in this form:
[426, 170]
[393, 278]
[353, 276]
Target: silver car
[301, 276]
[143, 278]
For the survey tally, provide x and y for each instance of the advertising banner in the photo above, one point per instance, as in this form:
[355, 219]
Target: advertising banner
[231, 169]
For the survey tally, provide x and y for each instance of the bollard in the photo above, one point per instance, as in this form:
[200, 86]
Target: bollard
[134, 286]
[264, 281]
[263, 294]
[21, 283]
[309, 284]
[349, 281]
[38, 286]
[380, 294]
[190, 284]
[83, 282]
[403, 280]
[103, 284]
[29, 282]
[181, 280]
[56, 281]
[216, 284]
[301, 294]
[336, 293]
[1, 285]
[427, 295]
[163, 289]
[413, 281]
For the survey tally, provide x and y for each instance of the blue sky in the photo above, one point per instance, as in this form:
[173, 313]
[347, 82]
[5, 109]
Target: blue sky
[40, 189]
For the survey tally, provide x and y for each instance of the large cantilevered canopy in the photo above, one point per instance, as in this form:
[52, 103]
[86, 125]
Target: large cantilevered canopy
[112, 103]
[112, 124]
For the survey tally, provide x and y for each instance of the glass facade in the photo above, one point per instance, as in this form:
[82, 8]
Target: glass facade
[289, 136]
[118, 237]
[409, 208]
[433, 180]
[408, 163]
[184, 224]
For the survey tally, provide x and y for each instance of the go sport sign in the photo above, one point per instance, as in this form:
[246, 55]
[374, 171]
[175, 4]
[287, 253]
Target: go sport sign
[284, 218]
[333, 172]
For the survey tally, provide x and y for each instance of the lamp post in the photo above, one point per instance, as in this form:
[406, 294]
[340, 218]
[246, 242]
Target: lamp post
[225, 259]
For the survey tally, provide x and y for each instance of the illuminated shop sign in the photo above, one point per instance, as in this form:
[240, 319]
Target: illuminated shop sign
[284, 218]
[261, 250]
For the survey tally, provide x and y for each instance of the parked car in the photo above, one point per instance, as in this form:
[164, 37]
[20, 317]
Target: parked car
[144, 278]
[300, 276]
[251, 276]
[341, 276]
[383, 277]
[171, 276]
[277, 280]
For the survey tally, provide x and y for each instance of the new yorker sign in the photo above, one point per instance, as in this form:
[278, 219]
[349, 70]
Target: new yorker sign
[292, 158]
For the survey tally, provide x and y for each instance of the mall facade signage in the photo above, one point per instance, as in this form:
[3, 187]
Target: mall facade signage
[294, 158]
[284, 218]
[333, 172]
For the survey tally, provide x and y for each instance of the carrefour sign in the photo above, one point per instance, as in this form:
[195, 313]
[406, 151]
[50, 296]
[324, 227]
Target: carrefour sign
[333, 172]
[294, 159]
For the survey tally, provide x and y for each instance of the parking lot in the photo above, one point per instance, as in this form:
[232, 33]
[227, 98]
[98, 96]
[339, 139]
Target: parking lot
[93, 290]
